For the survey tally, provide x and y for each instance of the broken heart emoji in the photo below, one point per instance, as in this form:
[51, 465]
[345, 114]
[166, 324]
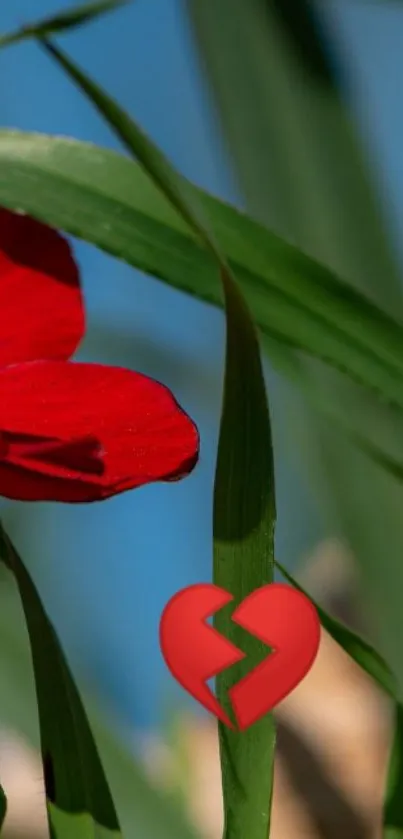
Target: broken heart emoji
[194, 651]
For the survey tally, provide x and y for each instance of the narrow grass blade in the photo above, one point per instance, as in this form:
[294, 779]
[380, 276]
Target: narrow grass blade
[62, 22]
[302, 172]
[3, 806]
[243, 510]
[244, 518]
[372, 663]
[75, 781]
[392, 811]
[144, 810]
[356, 647]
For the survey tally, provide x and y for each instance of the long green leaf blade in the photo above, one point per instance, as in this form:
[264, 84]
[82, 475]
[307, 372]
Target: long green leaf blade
[392, 400]
[75, 781]
[351, 311]
[172, 186]
[107, 200]
[144, 810]
[280, 108]
[3, 806]
[392, 810]
[70, 19]
[372, 663]
[356, 647]
[244, 517]
[351, 334]
[243, 512]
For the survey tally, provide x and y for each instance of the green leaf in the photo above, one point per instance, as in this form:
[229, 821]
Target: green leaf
[356, 647]
[304, 33]
[63, 21]
[372, 663]
[392, 810]
[144, 811]
[299, 281]
[75, 781]
[244, 517]
[105, 199]
[177, 228]
[338, 306]
[243, 510]
[3, 806]
[171, 186]
[301, 169]
[381, 444]
[81, 826]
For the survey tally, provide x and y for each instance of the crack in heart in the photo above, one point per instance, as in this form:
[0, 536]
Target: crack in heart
[279, 616]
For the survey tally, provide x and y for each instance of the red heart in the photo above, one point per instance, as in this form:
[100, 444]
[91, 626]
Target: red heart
[194, 651]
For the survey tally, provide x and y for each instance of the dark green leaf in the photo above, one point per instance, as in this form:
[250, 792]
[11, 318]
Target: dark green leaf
[357, 648]
[243, 510]
[301, 27]
[392, 811]
[75, 781]
[3, 806]
[372, 663]
[172, 186]
[62, 22]
[144, 811]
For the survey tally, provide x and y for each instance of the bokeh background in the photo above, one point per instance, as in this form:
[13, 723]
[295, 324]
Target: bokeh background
[300, 120]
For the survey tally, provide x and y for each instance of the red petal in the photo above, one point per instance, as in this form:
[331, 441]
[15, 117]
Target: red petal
[82, 432]
[41, 307]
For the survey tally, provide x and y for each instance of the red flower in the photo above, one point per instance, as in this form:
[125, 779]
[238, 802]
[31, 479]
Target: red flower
[70, 431]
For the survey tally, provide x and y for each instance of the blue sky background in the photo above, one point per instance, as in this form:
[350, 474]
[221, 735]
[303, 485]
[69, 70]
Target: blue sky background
[106, 571]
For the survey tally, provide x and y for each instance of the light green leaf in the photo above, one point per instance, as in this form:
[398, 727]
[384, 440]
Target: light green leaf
[81, 826]
[243, 511]
[63, 21]
[106, 199]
